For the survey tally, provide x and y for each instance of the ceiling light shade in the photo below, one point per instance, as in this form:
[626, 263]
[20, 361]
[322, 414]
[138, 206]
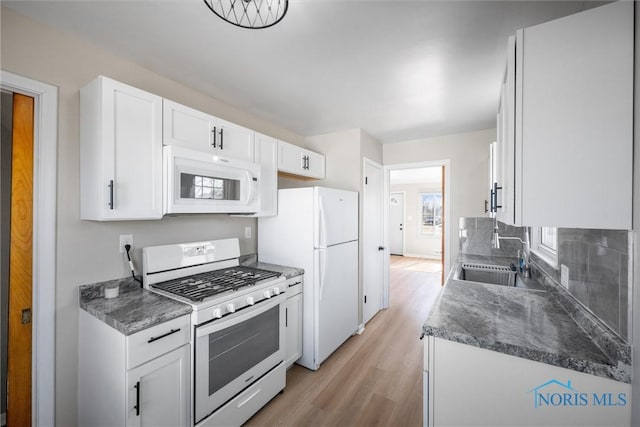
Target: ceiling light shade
[249, 13]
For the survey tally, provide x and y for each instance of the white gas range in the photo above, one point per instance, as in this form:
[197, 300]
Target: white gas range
[238, 325]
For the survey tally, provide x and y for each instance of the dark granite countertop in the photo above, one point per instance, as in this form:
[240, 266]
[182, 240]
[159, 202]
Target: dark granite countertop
[529, 322]
[133, 310]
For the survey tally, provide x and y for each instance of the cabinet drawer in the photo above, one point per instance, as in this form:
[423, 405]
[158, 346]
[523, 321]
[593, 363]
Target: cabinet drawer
[294, 286]
[157, 340]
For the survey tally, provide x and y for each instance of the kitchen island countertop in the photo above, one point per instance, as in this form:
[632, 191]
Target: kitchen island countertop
[524, 322]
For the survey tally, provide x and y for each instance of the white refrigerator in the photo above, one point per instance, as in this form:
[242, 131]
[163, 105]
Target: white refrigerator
[317, 229]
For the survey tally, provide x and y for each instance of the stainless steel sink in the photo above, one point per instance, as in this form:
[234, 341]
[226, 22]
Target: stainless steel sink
[484, 273]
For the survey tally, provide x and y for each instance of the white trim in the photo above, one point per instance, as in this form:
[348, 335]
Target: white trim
[548, 256]
[44, 241]
[447, 210]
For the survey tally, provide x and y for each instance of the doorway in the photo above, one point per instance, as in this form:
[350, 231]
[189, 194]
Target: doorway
[44, 130]
[416, 220]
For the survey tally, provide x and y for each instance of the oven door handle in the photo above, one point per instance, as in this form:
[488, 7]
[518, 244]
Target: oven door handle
[239, 317]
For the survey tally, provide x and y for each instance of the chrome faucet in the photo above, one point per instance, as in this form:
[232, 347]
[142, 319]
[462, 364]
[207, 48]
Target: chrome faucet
[523, 255]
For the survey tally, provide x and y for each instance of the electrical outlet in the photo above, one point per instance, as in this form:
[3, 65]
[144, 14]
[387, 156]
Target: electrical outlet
[564, 276]
[125, 239]
[247, 232]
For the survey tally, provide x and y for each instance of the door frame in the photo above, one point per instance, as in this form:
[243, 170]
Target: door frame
[447, 212]
[404, 217]
[44, 240]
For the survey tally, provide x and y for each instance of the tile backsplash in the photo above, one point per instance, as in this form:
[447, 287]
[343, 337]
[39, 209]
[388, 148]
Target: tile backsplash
[475, 237]
[598, 262]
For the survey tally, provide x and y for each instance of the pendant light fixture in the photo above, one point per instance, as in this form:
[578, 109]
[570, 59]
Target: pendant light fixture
[249, 13]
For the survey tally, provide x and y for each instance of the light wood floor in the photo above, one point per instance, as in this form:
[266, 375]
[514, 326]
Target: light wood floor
[416, 264]
[374, 379]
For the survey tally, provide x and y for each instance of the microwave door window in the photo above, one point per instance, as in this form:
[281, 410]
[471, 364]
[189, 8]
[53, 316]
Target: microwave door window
[206, 187]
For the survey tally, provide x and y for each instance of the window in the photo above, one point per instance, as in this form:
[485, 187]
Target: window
[430, 211]
[545, 244]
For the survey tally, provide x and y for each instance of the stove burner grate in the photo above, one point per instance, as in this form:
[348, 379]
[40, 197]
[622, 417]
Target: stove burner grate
[204, 285]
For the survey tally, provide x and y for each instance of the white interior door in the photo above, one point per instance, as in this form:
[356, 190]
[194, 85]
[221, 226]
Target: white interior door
[396, 224]
[373, 251]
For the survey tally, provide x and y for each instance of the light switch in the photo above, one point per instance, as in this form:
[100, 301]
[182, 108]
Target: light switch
[247, 232]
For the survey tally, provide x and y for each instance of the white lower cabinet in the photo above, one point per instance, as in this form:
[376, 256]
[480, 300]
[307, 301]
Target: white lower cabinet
[157, 391]
[293, 321]
[136, 380]
[467, 385]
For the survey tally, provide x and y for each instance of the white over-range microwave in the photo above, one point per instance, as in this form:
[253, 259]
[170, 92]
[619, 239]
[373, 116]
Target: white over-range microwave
[201, 182]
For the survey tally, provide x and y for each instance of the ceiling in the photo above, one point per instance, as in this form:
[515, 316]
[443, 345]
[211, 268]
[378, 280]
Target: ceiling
[400, 70]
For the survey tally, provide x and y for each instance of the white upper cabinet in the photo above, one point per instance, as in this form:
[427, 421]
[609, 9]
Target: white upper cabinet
[504, 186]
[565, 122]
[120, 152]
[299, 161]
[188, 127]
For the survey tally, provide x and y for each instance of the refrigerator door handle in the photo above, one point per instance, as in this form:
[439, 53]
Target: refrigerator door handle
[321, 272]
[322, 229]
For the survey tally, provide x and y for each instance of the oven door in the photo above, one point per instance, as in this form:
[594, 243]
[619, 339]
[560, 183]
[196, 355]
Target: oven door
[233, 352]
[200, 182]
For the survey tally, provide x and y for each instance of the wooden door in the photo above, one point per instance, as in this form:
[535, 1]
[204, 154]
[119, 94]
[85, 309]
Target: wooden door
[20, 265]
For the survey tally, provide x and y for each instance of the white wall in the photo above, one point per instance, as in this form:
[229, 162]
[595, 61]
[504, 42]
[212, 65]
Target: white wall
[87, 251]
[416, 243]
[469, 156]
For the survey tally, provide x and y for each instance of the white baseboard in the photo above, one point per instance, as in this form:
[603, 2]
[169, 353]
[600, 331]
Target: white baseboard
[360, 329]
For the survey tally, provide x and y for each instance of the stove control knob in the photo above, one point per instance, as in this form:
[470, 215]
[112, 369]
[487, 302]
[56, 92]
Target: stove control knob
[231, 308]
[250, 301]
[267, 294]
[276, 291]
[217, 313]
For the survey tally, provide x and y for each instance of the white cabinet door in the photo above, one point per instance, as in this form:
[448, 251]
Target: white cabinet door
[234, 141]
[503, 187]
[293, 321]
[267, 157]
[497, 389]
[577, 120]
[289, 158]
[190, 128]
[299, 161]
[120, 152]
[158, 391]
[187, 127]
[315, 165]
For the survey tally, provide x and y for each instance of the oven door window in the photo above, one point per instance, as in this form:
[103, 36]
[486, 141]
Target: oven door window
[238, 348]
[208, 187]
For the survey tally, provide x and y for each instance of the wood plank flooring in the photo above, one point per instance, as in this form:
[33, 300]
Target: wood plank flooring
[374, 379]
